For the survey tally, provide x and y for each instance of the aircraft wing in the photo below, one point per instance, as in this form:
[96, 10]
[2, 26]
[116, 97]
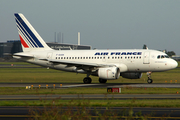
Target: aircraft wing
[78, 64]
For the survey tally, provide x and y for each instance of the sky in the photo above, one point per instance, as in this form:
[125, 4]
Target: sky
[103, 24]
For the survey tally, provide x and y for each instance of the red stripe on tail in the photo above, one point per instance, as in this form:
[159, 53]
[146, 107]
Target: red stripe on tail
[23, 42]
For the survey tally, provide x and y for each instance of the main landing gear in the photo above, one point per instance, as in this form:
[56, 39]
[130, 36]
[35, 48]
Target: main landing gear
[102, 80]
[88, 80]
[149, 77]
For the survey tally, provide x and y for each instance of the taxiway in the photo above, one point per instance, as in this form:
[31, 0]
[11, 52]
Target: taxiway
[94, 85]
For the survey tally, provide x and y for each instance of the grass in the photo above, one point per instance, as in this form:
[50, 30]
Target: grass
[43, 75]
[95, 103]
[87, 110]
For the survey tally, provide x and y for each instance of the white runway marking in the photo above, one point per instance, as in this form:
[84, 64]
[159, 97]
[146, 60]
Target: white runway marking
[81, 85]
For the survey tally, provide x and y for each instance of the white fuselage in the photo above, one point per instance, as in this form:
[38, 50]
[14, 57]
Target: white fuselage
[128, 60]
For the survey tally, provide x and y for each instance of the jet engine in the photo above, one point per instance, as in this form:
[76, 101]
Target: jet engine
[131, 75]
[110, 73]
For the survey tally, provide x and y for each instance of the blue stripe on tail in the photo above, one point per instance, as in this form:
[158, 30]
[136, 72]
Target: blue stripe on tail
[24, 34]
[28, 32]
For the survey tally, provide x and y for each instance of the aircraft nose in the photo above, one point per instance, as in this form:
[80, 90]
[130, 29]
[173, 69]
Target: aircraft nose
[176, 64]
[173, 64]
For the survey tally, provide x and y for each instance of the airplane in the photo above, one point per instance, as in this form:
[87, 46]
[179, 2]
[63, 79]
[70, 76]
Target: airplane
[106, 64]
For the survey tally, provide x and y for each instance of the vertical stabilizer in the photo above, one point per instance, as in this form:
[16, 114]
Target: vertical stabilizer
[30, 39]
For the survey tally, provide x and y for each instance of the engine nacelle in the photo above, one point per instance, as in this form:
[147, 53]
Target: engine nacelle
[110, 73]
[131, 75]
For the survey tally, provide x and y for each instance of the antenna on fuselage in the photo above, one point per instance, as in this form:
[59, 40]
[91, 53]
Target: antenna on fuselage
[145, 47]
[78, 38]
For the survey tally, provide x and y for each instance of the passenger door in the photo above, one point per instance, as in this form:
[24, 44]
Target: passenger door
[146, 58]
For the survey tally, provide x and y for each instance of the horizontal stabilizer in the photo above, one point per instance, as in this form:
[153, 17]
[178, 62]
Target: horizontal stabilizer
[23, 55]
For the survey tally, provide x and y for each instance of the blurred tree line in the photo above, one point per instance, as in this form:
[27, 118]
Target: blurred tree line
[169, 53]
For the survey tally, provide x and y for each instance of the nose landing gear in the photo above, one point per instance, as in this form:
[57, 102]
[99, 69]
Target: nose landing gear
[149, 77]
[150, 81]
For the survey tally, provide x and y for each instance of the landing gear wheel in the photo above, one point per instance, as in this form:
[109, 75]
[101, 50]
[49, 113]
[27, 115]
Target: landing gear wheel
[102, 80]
[149, 77]
[87, 80]
[150, 81]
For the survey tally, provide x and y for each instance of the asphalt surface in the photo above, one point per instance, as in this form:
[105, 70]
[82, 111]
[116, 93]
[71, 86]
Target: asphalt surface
[94, 85]
[90, 96]
[22, 113]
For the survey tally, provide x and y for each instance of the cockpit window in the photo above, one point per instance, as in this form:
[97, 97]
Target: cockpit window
[166, 56]
[162, 56]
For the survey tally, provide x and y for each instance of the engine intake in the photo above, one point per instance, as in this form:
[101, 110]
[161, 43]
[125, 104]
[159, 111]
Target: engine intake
[110, 73]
